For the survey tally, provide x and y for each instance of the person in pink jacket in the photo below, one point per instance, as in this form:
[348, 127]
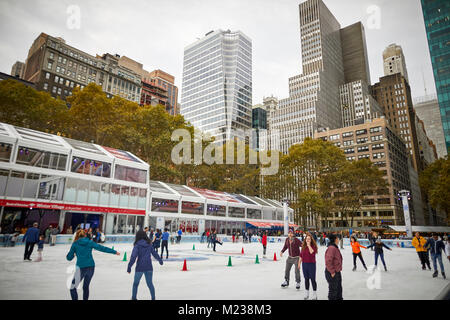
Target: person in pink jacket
[333, 268]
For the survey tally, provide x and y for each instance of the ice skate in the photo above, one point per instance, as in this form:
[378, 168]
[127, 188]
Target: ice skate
[297, 286]
[314, 295]
[385, 269]
[435, 274]
[443, 275]
[365, 267]
[285, 284]
[306, 295]
[354, 268]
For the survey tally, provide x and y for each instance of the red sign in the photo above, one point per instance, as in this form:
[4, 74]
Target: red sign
[68, 207]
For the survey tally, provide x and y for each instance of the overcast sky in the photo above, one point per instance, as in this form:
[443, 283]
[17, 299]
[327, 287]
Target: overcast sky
[155, 32]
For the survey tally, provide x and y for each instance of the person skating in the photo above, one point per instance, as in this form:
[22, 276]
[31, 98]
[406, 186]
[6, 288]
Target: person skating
[333, 268]
[214, 240]
[143, 251]
[30, 238]
[179, 234]
[157, 240]
[264, 243]
[436, 247]
[53, 235]
[357, 252]
[82, 248]
[308, 262]
[419, 243]
[292, 244]
[165, 243]
[378, 246]
[40, 248]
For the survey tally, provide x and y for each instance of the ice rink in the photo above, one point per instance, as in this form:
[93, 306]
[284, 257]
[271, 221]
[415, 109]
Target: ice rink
[209, 277]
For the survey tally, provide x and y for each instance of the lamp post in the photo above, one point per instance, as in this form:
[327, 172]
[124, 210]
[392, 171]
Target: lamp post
[285, 215]
[405, 196]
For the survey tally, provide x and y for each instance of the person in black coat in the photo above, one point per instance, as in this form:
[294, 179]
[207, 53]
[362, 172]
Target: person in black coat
[30, 238]
[214, 240]
[378, 245]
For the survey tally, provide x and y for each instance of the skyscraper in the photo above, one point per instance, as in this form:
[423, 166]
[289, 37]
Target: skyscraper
[436, 14]
[394, 61]
[217, 84]
[313, 95]
[18, 69]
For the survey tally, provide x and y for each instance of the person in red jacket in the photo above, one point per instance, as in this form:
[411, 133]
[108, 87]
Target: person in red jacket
[333, 268]
[293, 244]
[357, 252]
[264, 243]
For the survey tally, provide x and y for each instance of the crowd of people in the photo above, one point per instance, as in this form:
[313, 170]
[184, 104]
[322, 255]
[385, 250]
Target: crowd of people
[302, 248]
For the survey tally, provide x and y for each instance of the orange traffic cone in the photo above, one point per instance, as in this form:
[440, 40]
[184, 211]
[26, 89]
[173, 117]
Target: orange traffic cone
[184, 266]
[274, 256]
[242, 250]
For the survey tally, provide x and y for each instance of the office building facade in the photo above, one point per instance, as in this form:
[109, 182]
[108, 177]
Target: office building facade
[437, 24]
[394, 61]
[58, 68]
[217, 84]
[427, 109]
[375, 140]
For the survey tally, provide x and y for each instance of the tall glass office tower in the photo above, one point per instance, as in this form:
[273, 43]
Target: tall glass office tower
[436, 14]
[217, 84]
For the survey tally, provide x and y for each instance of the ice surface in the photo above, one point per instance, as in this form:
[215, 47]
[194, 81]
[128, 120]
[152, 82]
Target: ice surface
[209, 277]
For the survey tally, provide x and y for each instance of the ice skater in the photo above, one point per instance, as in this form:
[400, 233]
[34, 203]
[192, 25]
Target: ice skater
[40, 248]
[156, 240]
[214, 240]
[143, 251]
[419, 243]
[264, 243]
[82, 248]
[356, 251]
[378, 246]
[292, 244]
[447, 248]
[165, 243]
[333, 268]
[308, 262]
[436, 247]
[30, 238]
[179, 234]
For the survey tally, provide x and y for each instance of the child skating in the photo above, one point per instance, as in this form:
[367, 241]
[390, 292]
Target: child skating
[40, 248]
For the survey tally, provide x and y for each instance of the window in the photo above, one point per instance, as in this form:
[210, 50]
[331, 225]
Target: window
[49, 65]
[363, 149]
[38, 158]
[236, 212]
[377, 138]
[364, 156]
[378, 155]
[378, 146]
[91, 167]
[5, 152]
[334, 137]
[349, 150]
[164, 205]
[347, 134]
[130, 174]
[192, 207]
[360, 132]
[215, 210]
[375, 129]
[47, 75]
[253, 214]
[45, 86]
[361, 140]
[348, 142]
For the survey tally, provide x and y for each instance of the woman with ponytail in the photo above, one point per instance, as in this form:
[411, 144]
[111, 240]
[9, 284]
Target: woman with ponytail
[82, 247]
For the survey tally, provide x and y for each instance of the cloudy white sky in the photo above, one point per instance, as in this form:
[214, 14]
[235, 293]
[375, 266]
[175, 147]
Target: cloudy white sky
[155, 32]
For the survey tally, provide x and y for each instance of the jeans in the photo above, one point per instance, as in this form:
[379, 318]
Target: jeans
[309, 272]
[437, 257]
[29, 246]
[214, 244]
[165, 244]
[289, 262]
[381, 256]
[360, 258]
[334, 285]
[80, 274]
[148, 279]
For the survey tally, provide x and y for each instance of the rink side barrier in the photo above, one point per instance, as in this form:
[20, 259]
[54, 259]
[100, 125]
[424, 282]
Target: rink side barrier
[128, 238]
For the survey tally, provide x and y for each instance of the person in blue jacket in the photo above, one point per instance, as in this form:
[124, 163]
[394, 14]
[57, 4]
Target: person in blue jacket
[179, 233]
[82, 247]
[165, 243]
[143, 251]
[157, 240]
[436, 247]
[30, 238]
[378, 245]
